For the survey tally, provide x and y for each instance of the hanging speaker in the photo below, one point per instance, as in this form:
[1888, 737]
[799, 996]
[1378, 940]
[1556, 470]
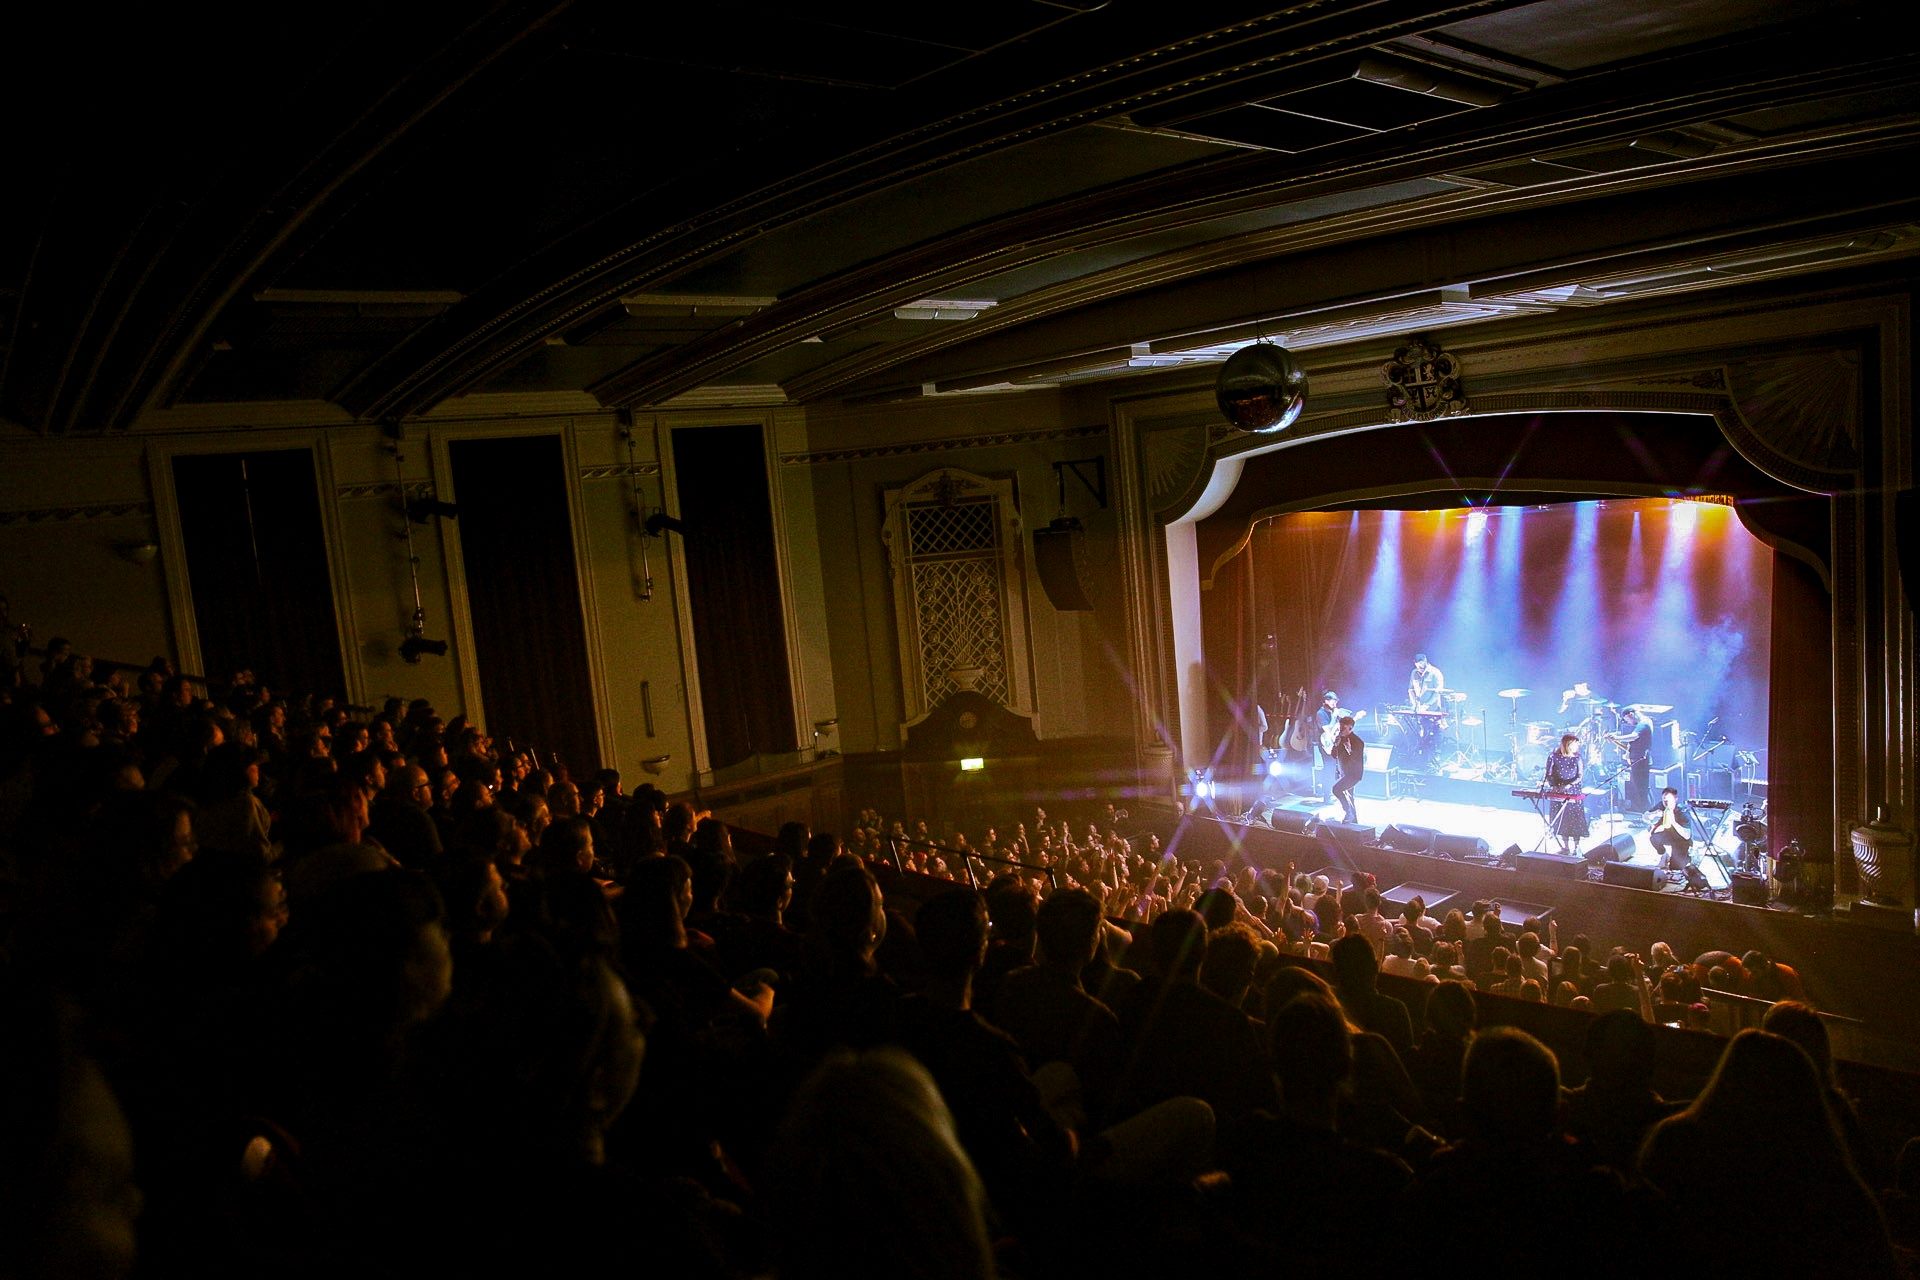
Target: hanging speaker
[1057, 556]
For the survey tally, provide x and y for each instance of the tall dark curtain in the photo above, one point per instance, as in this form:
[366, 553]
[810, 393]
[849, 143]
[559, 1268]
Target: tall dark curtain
[1800, 732]
[257, 562]
[1234, 670]
[733, 592]
[523, 591]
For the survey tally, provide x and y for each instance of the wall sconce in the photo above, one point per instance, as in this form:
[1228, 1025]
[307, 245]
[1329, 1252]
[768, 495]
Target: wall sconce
[138, 552]
[823, 731]
[655, 764]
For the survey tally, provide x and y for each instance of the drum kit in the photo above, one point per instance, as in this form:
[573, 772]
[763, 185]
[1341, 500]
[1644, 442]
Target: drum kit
[1530, 742]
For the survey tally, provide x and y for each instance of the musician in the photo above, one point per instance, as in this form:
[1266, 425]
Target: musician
[1636, 735]
[1424, 688]
[1349, 756]
[1564, 771]
[1667, 828]
[1324, 719]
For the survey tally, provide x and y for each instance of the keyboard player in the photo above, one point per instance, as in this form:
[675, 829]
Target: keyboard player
[1425, 685]
[1568, 819]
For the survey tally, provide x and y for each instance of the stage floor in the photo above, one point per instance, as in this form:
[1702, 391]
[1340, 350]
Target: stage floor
[1498, 827]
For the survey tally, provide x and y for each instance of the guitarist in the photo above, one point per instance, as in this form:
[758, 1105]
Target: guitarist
[1327, 725]
[1348, 754]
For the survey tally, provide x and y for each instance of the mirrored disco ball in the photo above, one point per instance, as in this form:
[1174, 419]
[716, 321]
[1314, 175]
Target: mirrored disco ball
[1261, 388]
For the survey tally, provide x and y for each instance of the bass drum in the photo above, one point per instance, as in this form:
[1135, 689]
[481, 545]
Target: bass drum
[1532, 759]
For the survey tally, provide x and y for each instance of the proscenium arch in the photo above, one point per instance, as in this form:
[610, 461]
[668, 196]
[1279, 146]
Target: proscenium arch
[1517, 455]
[1506, 458]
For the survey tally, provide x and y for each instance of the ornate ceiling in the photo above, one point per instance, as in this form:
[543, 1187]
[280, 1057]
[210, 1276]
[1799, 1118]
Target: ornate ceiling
[378, 208]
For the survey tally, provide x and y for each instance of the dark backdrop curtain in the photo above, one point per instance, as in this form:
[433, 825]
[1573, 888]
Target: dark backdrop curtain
[257, 563]
[733, 592]
[1800, 734]
[523, 593]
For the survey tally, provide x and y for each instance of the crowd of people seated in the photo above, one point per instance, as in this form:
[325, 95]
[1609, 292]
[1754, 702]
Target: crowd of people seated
[1134, 878]
[295, 988]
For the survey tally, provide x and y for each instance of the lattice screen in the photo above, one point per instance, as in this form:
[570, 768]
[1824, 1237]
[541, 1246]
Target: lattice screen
[954, 565]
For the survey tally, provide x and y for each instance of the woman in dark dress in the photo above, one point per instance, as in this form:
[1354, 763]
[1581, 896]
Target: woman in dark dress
[1569, 819]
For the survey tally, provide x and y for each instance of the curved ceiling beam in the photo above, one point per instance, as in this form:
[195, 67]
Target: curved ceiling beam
[139, 348]
[593, 269]
[1601, 109]
[853, 375]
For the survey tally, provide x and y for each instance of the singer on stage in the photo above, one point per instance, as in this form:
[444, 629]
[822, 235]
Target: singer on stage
[1349, 754]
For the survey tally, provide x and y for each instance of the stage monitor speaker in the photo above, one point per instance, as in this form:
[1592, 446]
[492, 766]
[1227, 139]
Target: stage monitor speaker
[1463, 848]
[1560, 866]
[1617, 849]
[1057, 557]
[1407, 839]
[1630, 877]
[1349, 837]
[1292, 821]
[1749, 890]
[1510, 856]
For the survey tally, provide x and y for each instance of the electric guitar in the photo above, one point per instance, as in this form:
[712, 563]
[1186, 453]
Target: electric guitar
[1331, 734]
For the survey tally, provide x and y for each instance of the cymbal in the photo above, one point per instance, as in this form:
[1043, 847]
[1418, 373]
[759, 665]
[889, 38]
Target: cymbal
[1454, 695]
[1650, 708]
[1513, 693]
[1539, 724]
[1471, 722]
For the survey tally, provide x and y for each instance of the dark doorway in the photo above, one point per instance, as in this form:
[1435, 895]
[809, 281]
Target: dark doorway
[523, 592]
[257, 563]
[733, 592]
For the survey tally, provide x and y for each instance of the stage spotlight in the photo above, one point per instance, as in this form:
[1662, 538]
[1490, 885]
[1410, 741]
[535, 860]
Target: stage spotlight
[660, 520]
[1273, 768]
[413, 646]
[972, 764]
[420, 510]
[1200, 786]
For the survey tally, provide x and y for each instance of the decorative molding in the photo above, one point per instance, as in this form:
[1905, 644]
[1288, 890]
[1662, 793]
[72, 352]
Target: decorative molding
[1423, 383]
[1805, 409]
[1172, 458]
[757, 395]
[412, 489]
[938, 446]
[66, 515]
[619, 470]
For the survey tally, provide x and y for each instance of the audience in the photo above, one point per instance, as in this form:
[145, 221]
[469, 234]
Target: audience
[350, 990]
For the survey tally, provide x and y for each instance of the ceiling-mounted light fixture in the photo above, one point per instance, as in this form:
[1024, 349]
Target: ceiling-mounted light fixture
[422, 509]
[1261, 388]
[413, 646]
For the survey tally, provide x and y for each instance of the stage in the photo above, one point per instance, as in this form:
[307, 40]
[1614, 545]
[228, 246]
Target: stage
[1846, 958]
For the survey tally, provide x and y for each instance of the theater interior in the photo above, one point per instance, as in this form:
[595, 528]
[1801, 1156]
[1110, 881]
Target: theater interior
[780, 404]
